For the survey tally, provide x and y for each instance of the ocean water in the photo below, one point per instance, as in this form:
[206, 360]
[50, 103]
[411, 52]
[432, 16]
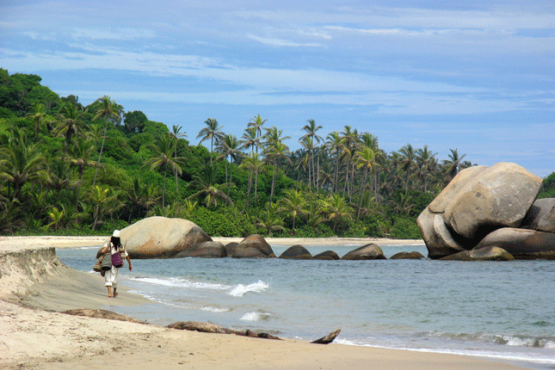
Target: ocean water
[497, 310]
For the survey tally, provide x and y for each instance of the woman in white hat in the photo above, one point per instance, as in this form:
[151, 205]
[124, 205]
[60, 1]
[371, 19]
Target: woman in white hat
[111, 276]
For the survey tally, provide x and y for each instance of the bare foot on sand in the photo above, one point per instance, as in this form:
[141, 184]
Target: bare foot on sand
[115, 295]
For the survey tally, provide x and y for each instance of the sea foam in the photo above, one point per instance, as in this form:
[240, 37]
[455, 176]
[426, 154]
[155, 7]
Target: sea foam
[182, 283]
[255, 316]
[240, 289]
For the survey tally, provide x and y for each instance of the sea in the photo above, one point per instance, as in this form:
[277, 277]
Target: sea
[504, 311]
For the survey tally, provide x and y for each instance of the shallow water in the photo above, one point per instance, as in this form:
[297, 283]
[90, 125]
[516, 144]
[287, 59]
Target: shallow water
[502, 310]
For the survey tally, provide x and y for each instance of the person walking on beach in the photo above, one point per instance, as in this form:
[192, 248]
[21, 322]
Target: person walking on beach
[111, 276]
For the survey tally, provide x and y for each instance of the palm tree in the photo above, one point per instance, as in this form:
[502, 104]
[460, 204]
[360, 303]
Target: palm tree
[70, 124]
[251, 163]
[205, 187]
[163, 151]
[335, 144]
[426, 161]
[107, 109]
[452, 166]
[139, 198]
[275, 154]
[213, 130]
[21, 163]
[310, 130]
[365, 158]
[229, 146]
[79, 156]
[408, 163]
[250, 139]
[256, 123]
[293, 204]
[177, 134]
[37, 115]
[270, 221]
[98, 197]
[335, 208]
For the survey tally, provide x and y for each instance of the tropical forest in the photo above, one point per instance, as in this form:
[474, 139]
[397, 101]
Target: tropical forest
[70, 169]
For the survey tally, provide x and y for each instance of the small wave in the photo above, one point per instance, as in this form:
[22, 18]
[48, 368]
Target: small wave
[240, 290]
[215, 309]
[255, 316]
[181, 283]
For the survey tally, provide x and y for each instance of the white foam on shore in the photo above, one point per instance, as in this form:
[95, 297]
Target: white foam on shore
[181, 283]
[506, 356]
[240, 290]
[215, 309]
[254, 316]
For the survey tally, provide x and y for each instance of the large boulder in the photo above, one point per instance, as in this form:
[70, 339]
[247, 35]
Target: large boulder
[210, 249]
[254, 246]
[522, 243]
[230, 248]
[440, 203]
[496, 197]
[296, 252]
[366, 252]
[407, 256]
[484, 254]
[439, 239]
[541, 216]
[161, 237]
[327, 255]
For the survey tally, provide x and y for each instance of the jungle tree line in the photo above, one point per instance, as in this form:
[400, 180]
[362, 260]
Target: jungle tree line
[67, 168]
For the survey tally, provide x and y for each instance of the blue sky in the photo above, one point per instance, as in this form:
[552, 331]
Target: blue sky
[478, 76]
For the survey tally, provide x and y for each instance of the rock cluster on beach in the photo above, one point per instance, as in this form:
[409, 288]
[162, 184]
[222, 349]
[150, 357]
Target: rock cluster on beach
[490, 213]
[161, 237]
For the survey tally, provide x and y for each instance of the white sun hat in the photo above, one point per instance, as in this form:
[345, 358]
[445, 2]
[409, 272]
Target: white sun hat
[116, 234]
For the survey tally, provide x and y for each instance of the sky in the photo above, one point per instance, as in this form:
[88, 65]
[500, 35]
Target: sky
[476, 76]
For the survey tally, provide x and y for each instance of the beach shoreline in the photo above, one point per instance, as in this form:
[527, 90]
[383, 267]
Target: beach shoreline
[35, 287]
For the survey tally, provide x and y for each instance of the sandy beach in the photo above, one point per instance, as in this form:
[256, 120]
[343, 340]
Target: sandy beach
[35, 287]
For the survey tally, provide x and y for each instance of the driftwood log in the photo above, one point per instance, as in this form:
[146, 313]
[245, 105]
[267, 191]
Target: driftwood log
[214, 329]
[328, 338]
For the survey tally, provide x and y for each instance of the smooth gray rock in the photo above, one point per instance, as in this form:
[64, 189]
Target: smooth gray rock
[366, 252]
[296, 252]
[496, 197]
[209, 249]
[161, 237]
[254, 246]
[407, 256]
[439, 240]
[484, 254]
[230, 248]
[327, 255]
[541, 216]
[443, 199]
[522, 243]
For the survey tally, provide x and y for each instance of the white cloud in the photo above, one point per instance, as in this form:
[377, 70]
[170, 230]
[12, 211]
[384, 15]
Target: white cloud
[111, 34]
[279, 42]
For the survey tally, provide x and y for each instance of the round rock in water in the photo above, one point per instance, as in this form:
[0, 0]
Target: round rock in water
[161, 237]
[254, 246]
[327, 255]
[366, 252]
[407, 256]
[296, 252]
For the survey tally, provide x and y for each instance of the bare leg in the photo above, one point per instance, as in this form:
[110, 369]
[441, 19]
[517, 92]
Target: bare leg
[115, 294]
[110, 291]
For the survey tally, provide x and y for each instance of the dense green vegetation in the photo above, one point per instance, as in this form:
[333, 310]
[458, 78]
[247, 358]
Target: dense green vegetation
[71, 169]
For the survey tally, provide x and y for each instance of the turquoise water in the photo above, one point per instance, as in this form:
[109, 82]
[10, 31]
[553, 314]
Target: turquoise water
[501, 310]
